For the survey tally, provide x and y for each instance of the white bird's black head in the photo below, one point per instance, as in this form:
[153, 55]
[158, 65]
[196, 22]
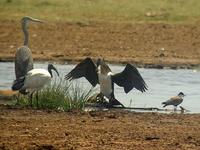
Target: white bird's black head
[181, 94]
[51, 67]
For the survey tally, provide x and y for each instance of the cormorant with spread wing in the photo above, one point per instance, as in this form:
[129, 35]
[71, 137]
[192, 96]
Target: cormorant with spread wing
[100, 73]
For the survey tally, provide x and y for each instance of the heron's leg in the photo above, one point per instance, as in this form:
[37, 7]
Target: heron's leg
[17, 97]
[175, 108]
[31, 97]
[37, 99]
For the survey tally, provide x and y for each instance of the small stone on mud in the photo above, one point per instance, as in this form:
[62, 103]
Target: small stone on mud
[46, 147]
[66, 133]
[189, 137]
[151, 138]
[83, 121]
[112, 116]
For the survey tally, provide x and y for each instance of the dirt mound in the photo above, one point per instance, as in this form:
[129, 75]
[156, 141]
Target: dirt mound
[143, 44]
[114, 129]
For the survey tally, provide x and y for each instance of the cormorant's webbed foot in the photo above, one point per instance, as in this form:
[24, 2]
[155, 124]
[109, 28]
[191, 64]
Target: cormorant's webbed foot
[113, 102]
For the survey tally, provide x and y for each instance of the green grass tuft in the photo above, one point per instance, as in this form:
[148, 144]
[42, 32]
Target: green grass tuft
[118, 11]
[60, 95]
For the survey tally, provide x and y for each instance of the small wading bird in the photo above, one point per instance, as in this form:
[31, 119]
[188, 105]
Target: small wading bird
[100, 73]
[23, 55]
[34, 80]
[175, 101]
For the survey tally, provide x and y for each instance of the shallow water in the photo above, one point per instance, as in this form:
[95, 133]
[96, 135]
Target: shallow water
[162, 84]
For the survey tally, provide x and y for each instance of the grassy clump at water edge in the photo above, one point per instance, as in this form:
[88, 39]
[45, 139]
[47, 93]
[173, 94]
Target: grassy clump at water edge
[61, 95]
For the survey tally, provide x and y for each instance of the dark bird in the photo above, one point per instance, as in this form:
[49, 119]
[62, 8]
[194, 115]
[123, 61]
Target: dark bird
[23, 55]
[100, 73]
[175, 101]
[34, 81]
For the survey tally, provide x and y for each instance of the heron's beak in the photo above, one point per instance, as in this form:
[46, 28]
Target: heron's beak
[26, 19]
[36, 20]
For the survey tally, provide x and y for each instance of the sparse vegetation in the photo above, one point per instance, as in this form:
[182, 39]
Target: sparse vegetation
[61, 95]
[171, 11]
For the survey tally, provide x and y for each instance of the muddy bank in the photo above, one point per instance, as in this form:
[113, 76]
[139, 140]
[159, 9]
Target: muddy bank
[146, 45]
[114, 129]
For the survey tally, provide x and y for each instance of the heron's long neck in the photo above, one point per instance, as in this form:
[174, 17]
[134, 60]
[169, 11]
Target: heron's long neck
[25, 30]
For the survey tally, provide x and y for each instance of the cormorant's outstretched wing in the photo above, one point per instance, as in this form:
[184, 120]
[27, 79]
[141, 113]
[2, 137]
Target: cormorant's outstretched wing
[86, 69]
[130, 78]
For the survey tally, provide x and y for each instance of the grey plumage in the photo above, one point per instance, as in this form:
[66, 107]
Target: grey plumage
[175, 101]
[23, 61]
[23, 57]
[100, 73]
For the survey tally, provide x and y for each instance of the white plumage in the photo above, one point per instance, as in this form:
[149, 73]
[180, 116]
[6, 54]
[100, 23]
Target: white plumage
[36, 79]
[105, 84]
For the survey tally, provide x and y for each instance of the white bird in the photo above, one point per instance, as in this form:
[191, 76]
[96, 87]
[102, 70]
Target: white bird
[100, 73]
[175, 101]
[34, 81]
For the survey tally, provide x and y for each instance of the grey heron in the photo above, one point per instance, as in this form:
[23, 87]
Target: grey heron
[34, 81]
[175, 100]
[100, 73]
[23, 55]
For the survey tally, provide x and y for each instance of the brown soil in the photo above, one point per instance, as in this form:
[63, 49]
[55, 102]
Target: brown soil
[142, 44]
[114, 129]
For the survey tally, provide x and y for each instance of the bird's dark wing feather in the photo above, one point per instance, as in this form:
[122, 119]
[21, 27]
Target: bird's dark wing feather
[86, 69]
[18, 83]
[130, 78]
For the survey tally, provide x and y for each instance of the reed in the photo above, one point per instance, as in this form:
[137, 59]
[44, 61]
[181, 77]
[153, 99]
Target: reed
[60, 95]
